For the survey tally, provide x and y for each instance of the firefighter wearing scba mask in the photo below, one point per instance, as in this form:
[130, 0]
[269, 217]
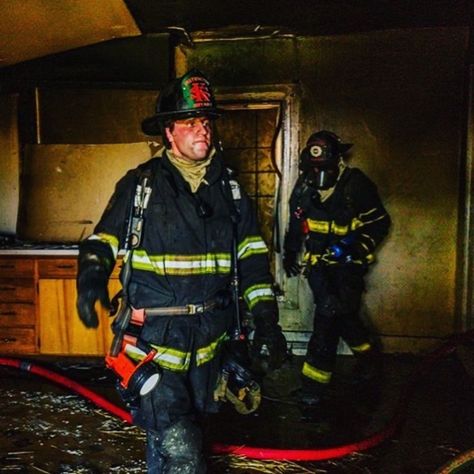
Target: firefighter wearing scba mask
[336, 211]
[178, 215]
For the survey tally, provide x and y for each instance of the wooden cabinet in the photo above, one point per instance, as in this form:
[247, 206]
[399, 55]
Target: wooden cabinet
[38, 309]
[61, 331]
[18, 320]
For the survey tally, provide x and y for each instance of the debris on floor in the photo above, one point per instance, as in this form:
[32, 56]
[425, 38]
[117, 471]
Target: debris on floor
[47, 429]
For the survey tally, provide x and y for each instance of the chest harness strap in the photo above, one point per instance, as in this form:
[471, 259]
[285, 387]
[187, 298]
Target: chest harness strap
[135, 379]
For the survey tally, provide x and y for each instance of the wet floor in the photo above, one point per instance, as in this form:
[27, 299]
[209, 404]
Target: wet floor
[47, 428]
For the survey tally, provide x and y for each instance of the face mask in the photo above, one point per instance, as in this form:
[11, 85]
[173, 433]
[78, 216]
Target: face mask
[322, 178]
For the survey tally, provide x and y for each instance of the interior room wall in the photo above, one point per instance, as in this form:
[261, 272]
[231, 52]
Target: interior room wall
[69, 174]
[95, 95]
[398, 96]
[9, 164]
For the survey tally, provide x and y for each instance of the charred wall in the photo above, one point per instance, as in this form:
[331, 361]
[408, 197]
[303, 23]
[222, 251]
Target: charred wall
[399, 96]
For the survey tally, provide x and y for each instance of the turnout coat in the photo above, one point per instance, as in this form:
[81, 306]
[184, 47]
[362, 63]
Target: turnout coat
[185, 257]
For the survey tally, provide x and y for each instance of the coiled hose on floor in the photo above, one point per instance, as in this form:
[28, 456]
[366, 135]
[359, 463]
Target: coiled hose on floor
[314, 454]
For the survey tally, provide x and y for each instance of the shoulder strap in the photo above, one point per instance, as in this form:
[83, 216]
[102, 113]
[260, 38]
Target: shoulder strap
[138, 205]
[232, 192]
[345, 183]
[233, 196]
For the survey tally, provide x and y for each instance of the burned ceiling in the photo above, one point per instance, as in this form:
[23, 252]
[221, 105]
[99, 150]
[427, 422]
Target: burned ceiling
[35, 28]
[299, 17]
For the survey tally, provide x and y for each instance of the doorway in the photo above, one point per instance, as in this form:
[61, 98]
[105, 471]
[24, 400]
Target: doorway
[259, 133]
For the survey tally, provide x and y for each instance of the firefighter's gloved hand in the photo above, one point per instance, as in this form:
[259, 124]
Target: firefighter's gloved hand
[290, 263]
[268, 333]
[91, 287]
[236, 383]
[345, 251]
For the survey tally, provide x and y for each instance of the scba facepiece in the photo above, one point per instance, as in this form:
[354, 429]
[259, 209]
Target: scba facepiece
[320, 159]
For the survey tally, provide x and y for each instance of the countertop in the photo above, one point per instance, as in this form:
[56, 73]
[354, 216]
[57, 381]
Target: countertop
[43, 250]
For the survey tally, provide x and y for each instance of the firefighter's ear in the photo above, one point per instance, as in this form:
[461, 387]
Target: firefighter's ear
[169, 135]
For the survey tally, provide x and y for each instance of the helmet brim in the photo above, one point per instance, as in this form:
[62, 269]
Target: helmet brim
[344, 147]
[152, 125]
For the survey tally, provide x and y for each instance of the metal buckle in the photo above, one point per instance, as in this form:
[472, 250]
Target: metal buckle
[195, 308]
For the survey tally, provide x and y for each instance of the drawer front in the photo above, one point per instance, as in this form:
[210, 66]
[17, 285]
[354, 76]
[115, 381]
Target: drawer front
[17, 340]
[17, 268]
[17, 291]
[67, 268]
[17, 314]
[57, 268]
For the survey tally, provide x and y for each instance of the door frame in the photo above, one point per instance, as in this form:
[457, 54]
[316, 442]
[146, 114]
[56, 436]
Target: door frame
[295, 301]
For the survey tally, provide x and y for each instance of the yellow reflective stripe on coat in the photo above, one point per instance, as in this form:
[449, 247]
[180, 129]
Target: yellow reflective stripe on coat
[365, 218]
[361, 348]
[166, 357]
[313, 259]
[321, 227]
[339, 229]
[175, 360]
[318, 375]
[326, 227]
[205, 354]
[257, 293]
[199, 264]
[109, 239]
[251, 245]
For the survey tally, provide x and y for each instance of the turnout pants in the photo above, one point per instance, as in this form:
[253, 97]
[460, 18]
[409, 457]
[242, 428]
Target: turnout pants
[170, 416]
[337, 292]
[170, 412]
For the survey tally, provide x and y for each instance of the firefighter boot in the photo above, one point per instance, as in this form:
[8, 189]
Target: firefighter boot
[177, 450]
[311, 392]
[369, 366]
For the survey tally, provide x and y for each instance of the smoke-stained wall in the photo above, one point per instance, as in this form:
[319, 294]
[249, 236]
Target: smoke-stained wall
[398, 96]
[89, 96]
[9, 164]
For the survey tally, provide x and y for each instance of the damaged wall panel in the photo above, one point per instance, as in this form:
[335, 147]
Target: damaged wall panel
[66, 187]
[398, 96]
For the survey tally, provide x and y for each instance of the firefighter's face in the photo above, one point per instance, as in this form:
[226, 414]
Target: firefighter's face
[190, 138]
[323, 177]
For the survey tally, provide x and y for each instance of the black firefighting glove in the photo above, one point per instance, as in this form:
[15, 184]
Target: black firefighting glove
[345, 251]
[290, 263]
[268, 334]
[91, 285]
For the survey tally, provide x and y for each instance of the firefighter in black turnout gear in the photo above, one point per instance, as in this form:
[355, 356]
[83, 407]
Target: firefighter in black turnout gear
[337, 212]
[179, 259]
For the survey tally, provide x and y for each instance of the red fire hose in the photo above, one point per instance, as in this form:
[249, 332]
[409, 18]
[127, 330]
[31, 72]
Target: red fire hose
[315, 454]
[68, 383]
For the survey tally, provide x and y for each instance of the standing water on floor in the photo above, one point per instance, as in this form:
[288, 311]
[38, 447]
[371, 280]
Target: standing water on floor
[46, 428]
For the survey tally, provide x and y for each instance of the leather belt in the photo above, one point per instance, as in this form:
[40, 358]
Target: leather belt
[139, 315]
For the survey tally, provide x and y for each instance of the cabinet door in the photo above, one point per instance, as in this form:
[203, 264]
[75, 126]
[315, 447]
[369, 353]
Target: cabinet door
[61, 330]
